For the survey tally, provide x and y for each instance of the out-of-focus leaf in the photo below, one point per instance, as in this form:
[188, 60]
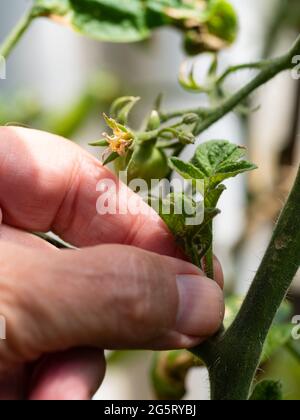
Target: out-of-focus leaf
[208, 25]
[279, 336]
[111, 158]
[122, 107]
[168, 373]
[233, 305]
[99, 143]
[267, 391]
[122, 357]
[284, 313]
[105, 20]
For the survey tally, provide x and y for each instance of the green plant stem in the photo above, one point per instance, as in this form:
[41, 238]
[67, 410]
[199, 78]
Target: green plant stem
[232, 358]
[270, 68]
[202, 112]
[57, 243]
[259, 65]
[208, 264]
[208, 260]
[14, 37]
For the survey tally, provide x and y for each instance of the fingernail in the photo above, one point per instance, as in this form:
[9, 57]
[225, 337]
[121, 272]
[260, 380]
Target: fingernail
[201, 306]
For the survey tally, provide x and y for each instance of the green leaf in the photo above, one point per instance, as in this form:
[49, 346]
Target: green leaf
[279, 336]
[194, 239]
[114, 125]
[99, 143]
[212, 197]
[231, 171]
[233, 305]
[203, 238]
[104, 20]
[284, 313]
[175, 210]
[267, 391]
[134, 20]
[220, 160]
[212, 154]
[169, 371]
[56, 7]
[111, 158]
[186, 170]
[122, 107]
[222, 20]
[213, 162]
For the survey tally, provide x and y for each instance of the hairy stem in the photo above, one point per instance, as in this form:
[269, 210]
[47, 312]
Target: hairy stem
[248, 66]
[14, 37]
[232, 358]
[269, 69]
[208, 263]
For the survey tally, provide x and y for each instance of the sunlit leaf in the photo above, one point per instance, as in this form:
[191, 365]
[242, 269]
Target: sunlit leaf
[220, 160]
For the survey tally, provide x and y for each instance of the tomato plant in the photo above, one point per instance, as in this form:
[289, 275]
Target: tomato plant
[232, 357]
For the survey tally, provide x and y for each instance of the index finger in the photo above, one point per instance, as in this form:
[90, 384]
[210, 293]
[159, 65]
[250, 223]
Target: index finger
[49, 183]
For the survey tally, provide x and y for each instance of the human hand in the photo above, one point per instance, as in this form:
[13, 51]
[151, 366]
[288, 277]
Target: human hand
[62, 307]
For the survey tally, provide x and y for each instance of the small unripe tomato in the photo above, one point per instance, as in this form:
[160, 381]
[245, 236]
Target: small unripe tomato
[148, 163]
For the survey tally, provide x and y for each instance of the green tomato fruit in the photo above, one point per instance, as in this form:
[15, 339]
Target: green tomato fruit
[145, 162]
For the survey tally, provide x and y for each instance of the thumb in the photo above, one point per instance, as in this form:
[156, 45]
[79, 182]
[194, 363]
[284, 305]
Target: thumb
[109, 296]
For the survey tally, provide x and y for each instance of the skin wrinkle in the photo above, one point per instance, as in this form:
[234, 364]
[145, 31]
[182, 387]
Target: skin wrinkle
[24, 306]
[137, 226]
[104, 223]
[90, 169]
[69, 201]
[35, 172]
[75, 284]
[138, 304]
[20, 308]
[123, 298]
[130, 300]
[10, 349]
